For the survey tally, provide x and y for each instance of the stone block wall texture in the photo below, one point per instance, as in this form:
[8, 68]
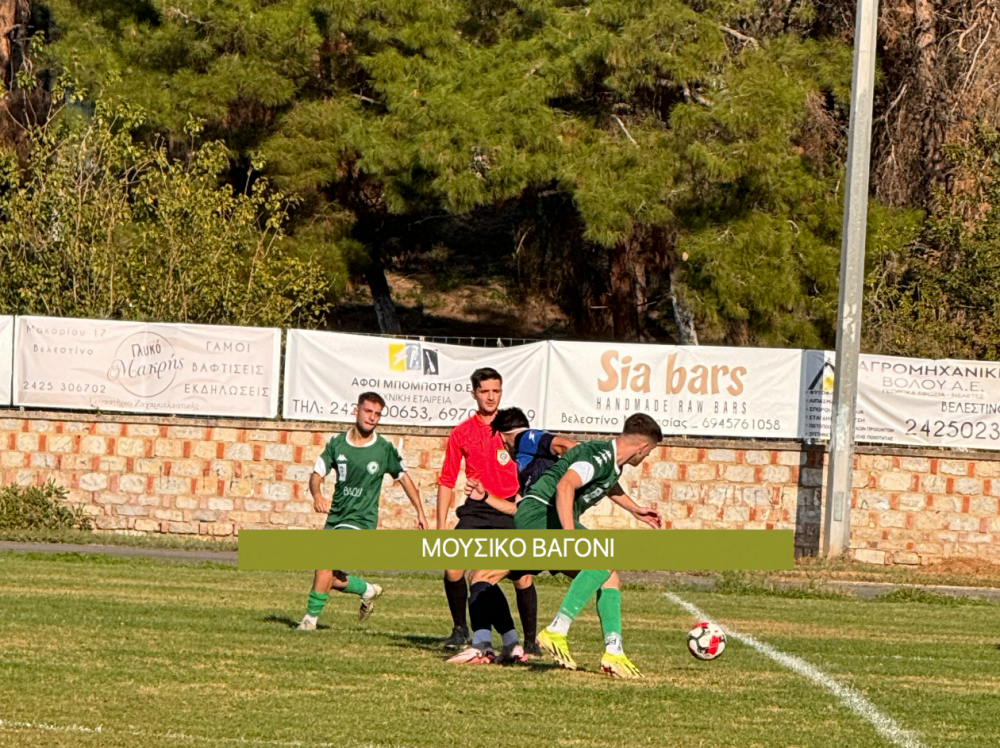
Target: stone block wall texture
[213, 478]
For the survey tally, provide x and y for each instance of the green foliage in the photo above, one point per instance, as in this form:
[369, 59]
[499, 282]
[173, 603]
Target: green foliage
[650, 118]
[232, 64]
[94, 223]
[39, 508]
[936, 297]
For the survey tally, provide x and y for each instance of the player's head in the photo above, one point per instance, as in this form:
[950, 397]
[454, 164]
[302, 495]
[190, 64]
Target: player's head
[367, 412]
[509, 421]
[487, 387]
[644, 433]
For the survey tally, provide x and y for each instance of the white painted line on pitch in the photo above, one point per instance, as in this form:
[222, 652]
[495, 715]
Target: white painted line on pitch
[885, 725]
[175, 736]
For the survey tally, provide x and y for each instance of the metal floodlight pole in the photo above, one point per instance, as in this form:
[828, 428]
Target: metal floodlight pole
[837, 506]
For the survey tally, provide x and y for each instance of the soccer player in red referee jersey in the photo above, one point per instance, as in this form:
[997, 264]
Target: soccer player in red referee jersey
[489, 467]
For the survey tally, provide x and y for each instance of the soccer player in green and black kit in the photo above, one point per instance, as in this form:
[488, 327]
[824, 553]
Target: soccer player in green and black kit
[583, 476]
[360, 458]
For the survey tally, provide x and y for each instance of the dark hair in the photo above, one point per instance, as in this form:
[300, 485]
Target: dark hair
[370, 397]
[509, 419]
[481, 375]
[639, 424]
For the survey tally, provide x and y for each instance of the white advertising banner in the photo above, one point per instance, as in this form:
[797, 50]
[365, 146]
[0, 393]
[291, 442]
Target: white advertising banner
[817, 394]
[689, 390]
[146, 367]
[6, 358]
[943, 403]
[424, 384]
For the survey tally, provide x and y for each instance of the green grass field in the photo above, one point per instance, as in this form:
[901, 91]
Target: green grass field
[169, 654]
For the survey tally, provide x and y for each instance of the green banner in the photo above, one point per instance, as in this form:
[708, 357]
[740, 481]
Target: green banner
[640, 550]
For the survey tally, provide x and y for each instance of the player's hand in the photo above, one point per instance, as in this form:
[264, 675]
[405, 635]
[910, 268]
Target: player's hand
[648, 515]
[320, 505]
[421, 523]
[474, 489]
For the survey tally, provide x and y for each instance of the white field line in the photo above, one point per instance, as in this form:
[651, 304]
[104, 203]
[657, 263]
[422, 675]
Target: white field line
[885, 725]
[167, 736]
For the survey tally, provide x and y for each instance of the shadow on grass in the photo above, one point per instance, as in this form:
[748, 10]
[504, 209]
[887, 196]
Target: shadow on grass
[433, 644]
[289, 622]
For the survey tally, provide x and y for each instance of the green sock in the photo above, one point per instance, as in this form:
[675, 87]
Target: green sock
[356, 585]
[316, 602]
[609, 610]
[581, 590]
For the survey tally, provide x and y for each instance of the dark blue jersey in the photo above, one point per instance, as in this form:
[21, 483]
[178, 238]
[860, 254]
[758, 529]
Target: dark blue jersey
[533, 455]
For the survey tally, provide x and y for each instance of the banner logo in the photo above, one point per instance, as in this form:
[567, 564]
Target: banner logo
[413, 357]
[823, 379]
[145, 364]
[699, 379]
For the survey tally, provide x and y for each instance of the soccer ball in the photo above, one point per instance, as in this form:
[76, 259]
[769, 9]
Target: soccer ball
[706, 641]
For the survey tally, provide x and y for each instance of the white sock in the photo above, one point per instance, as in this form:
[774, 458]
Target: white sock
[510, 638]
[560, 624]
[613, 644]
[309, 618]
[482, 638]
[369, 592]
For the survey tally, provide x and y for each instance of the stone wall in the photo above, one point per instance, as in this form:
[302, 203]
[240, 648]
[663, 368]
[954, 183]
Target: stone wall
[212, 477]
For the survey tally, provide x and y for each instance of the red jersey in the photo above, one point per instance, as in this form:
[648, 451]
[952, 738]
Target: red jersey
[486, 459]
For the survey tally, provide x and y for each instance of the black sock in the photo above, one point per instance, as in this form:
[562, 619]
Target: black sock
[480, 606]
[527, 611]
[458, 595]
[502, 620]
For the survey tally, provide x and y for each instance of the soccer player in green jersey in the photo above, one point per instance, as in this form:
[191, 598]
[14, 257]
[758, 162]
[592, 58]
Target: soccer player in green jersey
[583, 476]
[360, 458]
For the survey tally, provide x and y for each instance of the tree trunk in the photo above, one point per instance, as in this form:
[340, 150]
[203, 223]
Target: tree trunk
[625, 290]
[930, 97]
[385, 309]
[687, 334]
[14, 16]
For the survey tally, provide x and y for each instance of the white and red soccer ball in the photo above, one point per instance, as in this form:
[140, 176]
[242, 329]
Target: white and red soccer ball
[706, 641]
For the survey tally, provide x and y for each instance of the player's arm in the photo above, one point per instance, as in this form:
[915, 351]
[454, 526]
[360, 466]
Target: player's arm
[316, 489]
[478, 493]
[414, 496]
[565, 493]
[502, 505]
[446, 481]
[321, 469]
[642, 513]
[560, 445]
[446, 497]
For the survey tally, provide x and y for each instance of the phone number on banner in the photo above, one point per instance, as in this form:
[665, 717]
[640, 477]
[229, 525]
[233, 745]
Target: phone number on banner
[40, 386]
[339, 410]
[978, 430]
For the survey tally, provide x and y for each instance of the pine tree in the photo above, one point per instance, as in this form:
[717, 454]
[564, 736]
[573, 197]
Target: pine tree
[677, 160]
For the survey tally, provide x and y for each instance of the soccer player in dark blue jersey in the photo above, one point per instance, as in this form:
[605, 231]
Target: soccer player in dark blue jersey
[534, 451]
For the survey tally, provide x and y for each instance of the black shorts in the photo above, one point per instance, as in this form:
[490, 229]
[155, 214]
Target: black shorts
[478, 515]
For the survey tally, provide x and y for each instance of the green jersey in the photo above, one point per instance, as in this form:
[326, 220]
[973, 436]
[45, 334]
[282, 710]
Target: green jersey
[359, 479]
[596, 464]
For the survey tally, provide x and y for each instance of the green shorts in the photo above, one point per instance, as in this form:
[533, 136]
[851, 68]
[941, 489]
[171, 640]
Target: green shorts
[332, 523]
[532, 514]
